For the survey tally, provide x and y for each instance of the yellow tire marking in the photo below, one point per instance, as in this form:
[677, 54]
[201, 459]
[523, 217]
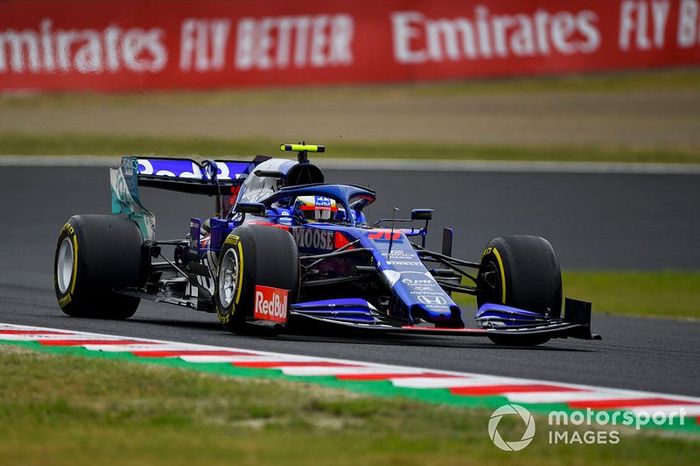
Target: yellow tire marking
[63, 302]
[240, 272]
[74, 278]
[503, 275]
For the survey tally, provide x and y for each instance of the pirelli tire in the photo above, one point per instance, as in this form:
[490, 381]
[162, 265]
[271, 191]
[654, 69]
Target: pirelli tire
[521, 271]
[96, 254]
[252, 256]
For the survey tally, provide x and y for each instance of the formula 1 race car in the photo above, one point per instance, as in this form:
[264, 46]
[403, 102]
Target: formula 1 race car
[284, 248]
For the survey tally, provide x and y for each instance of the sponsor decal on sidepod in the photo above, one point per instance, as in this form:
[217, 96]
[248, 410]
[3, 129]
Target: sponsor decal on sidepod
[311, 238]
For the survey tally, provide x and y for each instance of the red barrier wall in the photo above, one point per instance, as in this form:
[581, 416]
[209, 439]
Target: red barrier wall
[187, 44]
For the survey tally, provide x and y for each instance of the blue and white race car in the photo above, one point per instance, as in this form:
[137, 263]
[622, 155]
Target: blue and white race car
[286, 249]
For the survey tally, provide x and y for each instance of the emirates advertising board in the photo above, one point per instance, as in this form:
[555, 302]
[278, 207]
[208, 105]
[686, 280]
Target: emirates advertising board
[136, 45]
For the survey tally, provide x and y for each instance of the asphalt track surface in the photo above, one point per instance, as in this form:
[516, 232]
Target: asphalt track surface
[593, 220]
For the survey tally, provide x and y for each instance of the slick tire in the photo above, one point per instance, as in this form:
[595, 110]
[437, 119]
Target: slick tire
[96, 254]
[254, 255]
[521, 271]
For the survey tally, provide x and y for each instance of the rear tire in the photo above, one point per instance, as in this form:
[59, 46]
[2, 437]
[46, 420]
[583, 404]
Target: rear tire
[523, 272]
[96, 254]
[254, 255]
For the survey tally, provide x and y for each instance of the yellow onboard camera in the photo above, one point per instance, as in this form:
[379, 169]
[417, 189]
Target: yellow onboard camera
[302, 150]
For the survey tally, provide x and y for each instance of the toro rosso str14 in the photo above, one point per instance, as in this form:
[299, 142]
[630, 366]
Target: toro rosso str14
[284, 248]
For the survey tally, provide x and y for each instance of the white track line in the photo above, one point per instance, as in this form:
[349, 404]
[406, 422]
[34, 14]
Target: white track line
[58, 161]
[511, 167]
[668, 409]
[252, 358]
[435, 382]
[141, 348]
[560, 397]
[433, 165]
[51, 337]
[323, 371]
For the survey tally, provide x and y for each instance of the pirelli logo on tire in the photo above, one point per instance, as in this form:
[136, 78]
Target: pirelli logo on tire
[271, 304]
[232, 239]
[68, 228]
[65, 300]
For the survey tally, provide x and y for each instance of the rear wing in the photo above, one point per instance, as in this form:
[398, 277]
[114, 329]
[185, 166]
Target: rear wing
[219, 178]
[211, 177]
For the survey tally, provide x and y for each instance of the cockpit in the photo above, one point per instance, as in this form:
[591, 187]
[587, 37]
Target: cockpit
[293, 193]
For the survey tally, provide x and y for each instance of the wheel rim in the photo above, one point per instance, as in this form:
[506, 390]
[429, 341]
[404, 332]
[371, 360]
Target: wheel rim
[64, 264]
[489, 283]
[228, 278]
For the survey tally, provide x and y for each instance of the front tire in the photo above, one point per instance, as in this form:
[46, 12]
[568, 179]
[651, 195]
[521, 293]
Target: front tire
[96, 254]
[253, 256]
[523, 272]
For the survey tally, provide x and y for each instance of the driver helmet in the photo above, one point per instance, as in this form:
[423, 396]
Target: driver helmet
[316, 208]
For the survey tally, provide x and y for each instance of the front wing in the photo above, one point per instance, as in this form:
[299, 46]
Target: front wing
[575, 324]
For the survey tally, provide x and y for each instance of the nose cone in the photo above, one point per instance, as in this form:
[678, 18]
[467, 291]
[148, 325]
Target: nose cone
[440, 315]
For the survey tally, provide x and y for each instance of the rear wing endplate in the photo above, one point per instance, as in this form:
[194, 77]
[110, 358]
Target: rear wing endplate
[210, 177]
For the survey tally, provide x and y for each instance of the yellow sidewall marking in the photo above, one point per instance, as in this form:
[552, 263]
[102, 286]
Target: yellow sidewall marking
[503, 275]
[240, 272]
[63, 302]
[75, 264]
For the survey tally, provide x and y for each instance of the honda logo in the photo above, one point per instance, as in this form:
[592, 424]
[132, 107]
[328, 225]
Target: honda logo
[439, 300]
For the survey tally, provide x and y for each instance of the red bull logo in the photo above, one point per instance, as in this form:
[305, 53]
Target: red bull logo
[271, 304]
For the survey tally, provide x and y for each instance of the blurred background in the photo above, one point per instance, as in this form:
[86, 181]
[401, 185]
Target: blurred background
[576, 121]
[520, 80]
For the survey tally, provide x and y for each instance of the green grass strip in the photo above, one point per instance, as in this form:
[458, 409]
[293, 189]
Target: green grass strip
[673, 294]
[374, 388]
[90, 144]
[669, 294]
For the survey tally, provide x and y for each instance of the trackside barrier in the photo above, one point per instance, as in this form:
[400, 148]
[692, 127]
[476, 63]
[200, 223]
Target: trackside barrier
[102, 45]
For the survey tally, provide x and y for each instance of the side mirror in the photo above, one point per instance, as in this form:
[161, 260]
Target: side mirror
[422, 214]
[254, 208]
